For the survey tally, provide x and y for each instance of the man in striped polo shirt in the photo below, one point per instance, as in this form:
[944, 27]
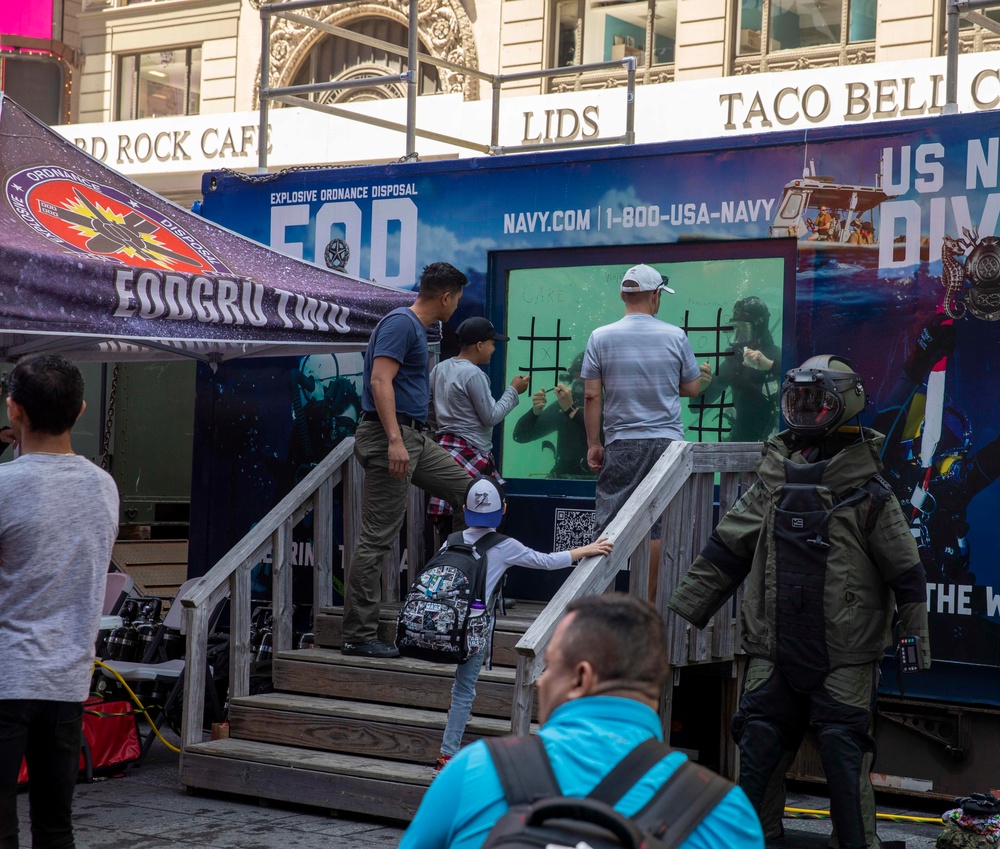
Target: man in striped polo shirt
[635, 371]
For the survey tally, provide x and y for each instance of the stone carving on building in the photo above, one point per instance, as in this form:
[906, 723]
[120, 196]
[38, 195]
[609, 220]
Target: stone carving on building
[445, 32]
[977, 40]
[576, 81]
[799, 60]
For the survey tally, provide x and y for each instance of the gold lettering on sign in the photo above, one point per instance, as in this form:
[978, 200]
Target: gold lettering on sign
[561, 125]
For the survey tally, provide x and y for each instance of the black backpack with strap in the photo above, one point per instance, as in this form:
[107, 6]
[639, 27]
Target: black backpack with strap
[439, 619]
[540, 816]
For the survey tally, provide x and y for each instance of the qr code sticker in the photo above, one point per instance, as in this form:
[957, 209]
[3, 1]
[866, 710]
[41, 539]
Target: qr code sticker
[573, 528]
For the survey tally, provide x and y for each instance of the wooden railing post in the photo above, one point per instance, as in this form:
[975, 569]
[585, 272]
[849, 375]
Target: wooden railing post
[416, 519]
[195, 668]
[239, 630]
[677, 557]
[281, 586]
[323, 547]
[524, 693]
[638, 570]
[354, 480]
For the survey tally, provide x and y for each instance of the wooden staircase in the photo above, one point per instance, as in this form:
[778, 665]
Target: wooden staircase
[360, 735]
[349, 733]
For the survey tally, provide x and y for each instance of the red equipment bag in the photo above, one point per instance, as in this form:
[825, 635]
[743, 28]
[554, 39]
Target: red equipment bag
[110, 737]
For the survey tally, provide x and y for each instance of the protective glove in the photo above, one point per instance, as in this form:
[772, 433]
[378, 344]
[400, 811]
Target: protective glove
[935, 341]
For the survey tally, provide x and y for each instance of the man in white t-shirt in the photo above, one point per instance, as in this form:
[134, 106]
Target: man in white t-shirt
[635, 371]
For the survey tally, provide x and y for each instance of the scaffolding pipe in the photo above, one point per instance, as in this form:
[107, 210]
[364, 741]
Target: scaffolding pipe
[289, 94]
[630, 101]
[495, 115]
[411, 85]
[264, 93]
[956, 10]
[951, 70]
[312, 88]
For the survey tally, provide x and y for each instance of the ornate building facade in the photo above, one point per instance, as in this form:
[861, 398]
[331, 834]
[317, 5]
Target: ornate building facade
[128, 65]
[145, 58]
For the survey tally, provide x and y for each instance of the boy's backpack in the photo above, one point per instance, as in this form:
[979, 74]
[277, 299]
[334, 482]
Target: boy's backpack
[541, 816]
[437, 621]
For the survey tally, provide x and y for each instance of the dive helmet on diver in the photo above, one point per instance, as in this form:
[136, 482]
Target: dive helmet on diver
[753, 311]
[821, 395]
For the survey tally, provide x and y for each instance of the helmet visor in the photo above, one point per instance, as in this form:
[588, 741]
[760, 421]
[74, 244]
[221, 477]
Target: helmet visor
[810, 407]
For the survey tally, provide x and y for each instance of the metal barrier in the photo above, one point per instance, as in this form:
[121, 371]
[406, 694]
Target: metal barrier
[292, 95]
[964, 9]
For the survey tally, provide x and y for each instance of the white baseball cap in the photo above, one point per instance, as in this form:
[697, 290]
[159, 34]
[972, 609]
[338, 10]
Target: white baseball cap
[644, 278]
[483, 503]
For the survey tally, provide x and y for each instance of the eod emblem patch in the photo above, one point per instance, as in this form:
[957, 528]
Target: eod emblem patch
[101, 221]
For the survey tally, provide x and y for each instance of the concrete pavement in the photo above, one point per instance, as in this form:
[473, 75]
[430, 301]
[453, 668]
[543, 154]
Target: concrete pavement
[147, 808]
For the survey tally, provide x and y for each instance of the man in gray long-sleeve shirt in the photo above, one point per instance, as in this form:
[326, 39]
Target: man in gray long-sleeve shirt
[464, 409]
[58, 523]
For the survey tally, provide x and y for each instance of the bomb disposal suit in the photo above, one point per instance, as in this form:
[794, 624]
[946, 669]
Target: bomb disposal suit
[830, 558]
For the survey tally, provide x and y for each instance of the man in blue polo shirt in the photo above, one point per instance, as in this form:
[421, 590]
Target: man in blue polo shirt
[393, 447]
[605, 667]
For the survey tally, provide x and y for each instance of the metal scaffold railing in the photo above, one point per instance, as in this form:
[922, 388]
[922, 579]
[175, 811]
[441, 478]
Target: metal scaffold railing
[296, 95]
[962, 9]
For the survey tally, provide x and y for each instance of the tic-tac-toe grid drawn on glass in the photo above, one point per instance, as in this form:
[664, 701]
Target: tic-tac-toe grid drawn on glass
[555, 367]
[714, 417]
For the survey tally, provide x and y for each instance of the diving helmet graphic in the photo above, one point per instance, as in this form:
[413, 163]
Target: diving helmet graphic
[974, 286]
[983, 270]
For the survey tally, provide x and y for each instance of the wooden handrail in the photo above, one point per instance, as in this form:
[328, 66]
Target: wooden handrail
[684, 466]
[230, 577]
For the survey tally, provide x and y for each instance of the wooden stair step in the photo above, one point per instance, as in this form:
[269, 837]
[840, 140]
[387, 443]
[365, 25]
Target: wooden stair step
[361, 728]
[397, 681]
[336, 782]
[508, 631]
[518, 618]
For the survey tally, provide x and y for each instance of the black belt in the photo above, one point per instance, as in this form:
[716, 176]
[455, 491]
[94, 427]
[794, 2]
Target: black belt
[404, 421]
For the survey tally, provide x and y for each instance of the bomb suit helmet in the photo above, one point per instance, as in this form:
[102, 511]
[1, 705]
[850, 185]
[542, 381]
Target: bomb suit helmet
[821, 395]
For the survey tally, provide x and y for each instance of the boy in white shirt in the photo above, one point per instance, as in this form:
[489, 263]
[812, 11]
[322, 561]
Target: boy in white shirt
[484, 508]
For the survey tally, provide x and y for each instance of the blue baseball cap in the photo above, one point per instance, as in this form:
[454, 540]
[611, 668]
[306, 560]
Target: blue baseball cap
[483, 503]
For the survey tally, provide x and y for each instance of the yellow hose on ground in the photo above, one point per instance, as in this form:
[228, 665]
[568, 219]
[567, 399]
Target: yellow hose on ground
[140, 705]
[805, 813]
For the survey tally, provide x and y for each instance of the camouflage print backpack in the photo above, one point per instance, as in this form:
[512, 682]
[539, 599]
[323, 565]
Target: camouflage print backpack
[956, 837]
[446, 617]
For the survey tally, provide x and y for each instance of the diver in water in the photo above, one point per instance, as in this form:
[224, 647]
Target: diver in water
[751, 370]
[935, 495]
[562, 416]
[325, 409]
